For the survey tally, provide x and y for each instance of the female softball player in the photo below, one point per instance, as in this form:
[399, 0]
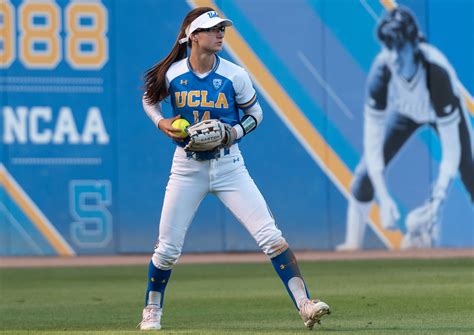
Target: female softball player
[208, 91]
[411, 84]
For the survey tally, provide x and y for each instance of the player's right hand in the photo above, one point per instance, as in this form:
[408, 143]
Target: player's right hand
[165, 125]
[389, 213]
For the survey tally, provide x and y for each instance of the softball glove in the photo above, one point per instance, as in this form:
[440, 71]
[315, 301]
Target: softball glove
[206, 135]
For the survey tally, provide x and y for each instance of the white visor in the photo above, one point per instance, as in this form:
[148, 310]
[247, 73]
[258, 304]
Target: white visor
[206, 20]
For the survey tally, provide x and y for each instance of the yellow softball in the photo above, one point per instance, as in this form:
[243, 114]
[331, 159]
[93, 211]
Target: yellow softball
[180, 124]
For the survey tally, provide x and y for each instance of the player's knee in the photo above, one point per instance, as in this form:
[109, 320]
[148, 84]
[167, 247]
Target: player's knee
[271, 241]
[361, 187]
[165, 257]
[362, 190]
[277, 248]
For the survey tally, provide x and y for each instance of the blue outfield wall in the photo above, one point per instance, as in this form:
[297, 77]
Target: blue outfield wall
[84, 170]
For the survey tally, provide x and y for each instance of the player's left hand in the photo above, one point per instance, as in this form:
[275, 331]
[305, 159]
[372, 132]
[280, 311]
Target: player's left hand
[421, 225]
[423, 216]
[230, 136]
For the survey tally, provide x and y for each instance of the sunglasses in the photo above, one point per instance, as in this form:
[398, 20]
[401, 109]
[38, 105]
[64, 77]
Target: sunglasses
[211, 30]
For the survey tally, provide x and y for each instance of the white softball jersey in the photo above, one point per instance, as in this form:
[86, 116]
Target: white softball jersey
[219, 94]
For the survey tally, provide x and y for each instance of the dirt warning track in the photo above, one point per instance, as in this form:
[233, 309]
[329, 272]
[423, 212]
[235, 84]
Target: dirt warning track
[44, 261]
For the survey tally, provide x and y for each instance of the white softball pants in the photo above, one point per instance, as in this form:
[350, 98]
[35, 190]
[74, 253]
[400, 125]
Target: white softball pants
[226, 177]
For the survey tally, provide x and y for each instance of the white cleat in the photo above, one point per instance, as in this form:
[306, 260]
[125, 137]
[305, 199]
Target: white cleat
[312, 311]
[151, 319]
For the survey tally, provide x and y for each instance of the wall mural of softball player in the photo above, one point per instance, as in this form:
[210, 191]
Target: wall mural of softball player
[215, 89]
[411, 84]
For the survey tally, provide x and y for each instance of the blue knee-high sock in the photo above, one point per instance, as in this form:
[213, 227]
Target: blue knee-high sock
[157, 281]
[286, 266]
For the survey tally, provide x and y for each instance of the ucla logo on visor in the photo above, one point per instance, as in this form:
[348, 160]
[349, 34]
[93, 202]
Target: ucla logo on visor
[217, 83]
[212, 14]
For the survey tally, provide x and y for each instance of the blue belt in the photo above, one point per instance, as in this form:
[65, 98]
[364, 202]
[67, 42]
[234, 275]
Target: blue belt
[207, 155]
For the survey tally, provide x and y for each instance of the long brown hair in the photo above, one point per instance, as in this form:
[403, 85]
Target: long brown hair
[155, 81]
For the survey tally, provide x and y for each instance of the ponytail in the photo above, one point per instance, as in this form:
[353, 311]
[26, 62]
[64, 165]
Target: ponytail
[155, 81]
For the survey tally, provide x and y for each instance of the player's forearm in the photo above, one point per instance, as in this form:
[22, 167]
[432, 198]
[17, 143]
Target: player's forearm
[373, 147]
[252, 118]
[153, 111]
[380, 186]
[451, 154]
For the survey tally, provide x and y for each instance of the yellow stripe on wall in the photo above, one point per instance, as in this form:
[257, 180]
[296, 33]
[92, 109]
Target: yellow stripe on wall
[34, 214]
[389, 4]
[468, 99]
[297, 122]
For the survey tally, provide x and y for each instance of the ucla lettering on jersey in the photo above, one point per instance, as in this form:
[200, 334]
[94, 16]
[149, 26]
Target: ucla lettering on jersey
[218, 94]
[199, 99]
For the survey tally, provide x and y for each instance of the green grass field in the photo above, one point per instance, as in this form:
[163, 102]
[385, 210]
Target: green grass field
[367, 297]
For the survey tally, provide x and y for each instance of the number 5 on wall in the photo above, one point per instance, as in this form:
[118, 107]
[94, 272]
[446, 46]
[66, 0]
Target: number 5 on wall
[89, 202]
